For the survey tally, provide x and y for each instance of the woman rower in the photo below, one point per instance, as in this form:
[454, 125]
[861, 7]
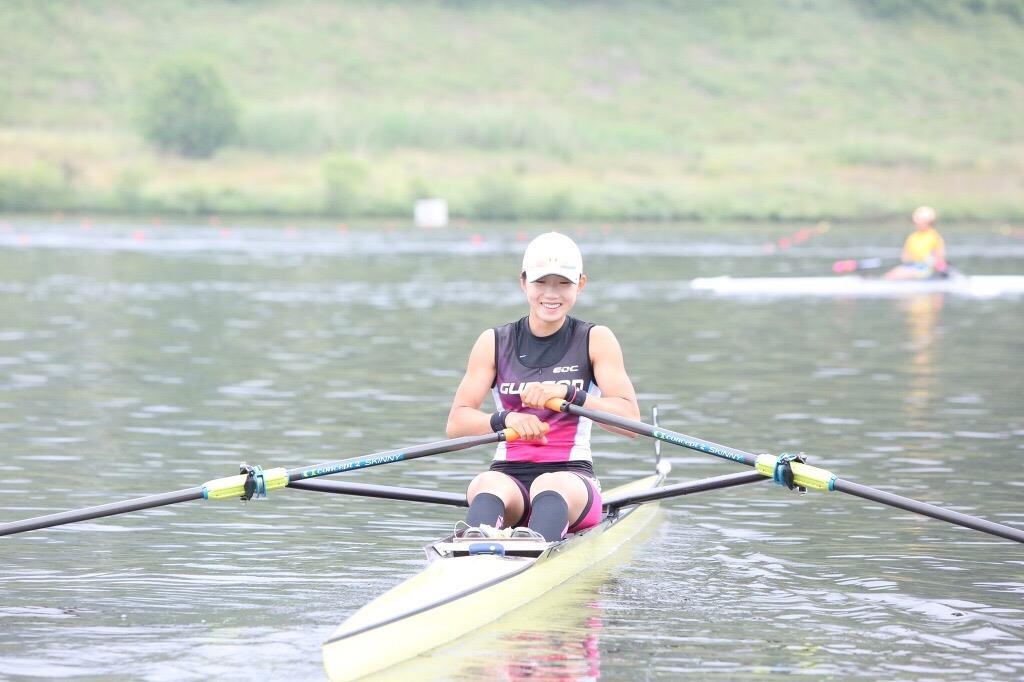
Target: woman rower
[924, 251]
[543, 480]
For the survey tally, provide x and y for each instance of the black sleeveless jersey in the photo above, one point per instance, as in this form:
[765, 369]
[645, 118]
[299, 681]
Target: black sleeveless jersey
[564, 357]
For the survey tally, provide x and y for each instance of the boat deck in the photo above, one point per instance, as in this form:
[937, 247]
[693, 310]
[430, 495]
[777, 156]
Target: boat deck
[451, 547]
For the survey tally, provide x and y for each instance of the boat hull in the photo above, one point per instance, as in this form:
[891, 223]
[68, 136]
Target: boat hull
[455, 596]
[856, 285]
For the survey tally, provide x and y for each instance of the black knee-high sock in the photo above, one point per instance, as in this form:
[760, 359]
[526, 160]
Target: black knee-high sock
[549, 515]
[486, 508]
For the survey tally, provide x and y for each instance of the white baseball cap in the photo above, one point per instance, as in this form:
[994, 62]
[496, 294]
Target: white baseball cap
[924, 214]
[552, 253]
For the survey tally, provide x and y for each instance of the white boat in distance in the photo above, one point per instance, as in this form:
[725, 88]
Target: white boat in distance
[980, 286]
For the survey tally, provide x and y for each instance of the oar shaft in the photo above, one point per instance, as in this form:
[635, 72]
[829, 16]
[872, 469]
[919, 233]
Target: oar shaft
[385, 492]
[109, 509]
[681, 439]
[688, 488]
[926, 509]
[402, 454]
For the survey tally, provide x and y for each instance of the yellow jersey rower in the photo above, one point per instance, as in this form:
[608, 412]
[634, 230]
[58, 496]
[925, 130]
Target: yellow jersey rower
[924, 251]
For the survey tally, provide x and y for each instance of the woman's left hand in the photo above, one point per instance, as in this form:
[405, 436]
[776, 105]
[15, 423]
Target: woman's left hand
[536, 394]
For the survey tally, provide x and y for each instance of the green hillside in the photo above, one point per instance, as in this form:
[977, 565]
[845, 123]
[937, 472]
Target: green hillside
[708, 109]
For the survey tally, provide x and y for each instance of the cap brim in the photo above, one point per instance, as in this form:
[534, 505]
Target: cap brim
[533, 274]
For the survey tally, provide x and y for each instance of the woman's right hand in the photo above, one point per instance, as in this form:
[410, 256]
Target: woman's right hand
[528, 426]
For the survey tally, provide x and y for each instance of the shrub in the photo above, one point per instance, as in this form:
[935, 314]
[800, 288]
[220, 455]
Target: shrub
[187, 110]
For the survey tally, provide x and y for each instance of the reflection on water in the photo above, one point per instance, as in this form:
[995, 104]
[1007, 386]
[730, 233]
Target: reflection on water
[555, 638]
[922, 316]
[142, 364]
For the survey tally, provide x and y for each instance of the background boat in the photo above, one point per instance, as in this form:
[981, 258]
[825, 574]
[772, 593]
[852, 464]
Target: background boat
[979, 286]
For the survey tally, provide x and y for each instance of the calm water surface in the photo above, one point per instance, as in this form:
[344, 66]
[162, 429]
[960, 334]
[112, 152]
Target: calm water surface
[138, 360]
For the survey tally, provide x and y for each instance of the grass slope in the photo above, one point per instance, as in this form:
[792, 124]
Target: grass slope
[793, 109]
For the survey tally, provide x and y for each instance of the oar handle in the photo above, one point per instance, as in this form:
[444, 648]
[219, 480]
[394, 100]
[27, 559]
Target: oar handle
[556, 404]
[513, 435]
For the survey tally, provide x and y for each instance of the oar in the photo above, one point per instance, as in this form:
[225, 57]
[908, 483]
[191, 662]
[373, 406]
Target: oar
[384, 492]
[680, 489]
[804, 475]
[389, 492]
[841, 267]
[255, 481]
[798, 237]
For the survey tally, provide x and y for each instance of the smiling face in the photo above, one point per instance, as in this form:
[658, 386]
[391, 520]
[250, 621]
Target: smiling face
[551, 298]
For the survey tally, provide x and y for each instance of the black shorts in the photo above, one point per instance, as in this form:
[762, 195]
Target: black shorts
[525, 473]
